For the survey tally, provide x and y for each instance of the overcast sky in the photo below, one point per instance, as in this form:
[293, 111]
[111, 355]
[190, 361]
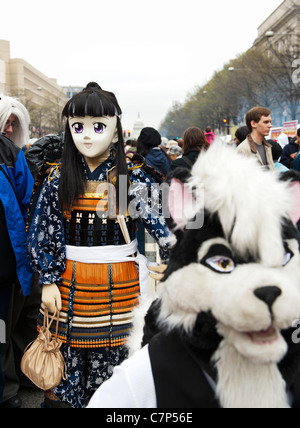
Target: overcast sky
[149, 53]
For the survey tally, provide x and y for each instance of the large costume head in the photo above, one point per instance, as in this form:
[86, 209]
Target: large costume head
[14, 120]
[234, 282]
[93, 131]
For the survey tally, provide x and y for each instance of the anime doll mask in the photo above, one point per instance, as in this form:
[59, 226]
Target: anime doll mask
[93, 136]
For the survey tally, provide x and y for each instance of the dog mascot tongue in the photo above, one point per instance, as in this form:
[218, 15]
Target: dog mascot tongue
[223, 331]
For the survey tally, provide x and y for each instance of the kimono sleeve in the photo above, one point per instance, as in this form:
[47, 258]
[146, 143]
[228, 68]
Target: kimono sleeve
[46, 242]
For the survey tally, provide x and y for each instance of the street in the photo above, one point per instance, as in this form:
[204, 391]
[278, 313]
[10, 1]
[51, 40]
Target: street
[31, 398]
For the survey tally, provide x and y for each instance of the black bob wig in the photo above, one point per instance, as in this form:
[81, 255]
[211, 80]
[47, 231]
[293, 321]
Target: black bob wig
[95, 102]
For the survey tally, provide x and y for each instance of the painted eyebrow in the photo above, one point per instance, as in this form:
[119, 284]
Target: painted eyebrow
[217, 250]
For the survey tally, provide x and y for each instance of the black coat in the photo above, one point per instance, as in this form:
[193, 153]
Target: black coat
[287, 151]
[187, 161]
[178, 372]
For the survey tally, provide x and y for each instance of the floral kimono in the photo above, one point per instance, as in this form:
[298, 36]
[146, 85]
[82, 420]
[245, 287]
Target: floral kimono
[93, 259]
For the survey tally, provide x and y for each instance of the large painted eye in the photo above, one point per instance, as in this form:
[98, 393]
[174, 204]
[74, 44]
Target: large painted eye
[221, 264]
[99, 127]
[77, 128]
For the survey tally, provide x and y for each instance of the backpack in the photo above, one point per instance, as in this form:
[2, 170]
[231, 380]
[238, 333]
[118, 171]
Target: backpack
[41, 157]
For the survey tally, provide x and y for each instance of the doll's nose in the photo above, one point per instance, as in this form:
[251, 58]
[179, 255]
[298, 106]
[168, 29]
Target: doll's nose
[87, 135]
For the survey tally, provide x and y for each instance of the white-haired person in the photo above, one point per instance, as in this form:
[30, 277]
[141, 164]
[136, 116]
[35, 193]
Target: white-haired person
[14, 121]
[22, 310]
[175, 152]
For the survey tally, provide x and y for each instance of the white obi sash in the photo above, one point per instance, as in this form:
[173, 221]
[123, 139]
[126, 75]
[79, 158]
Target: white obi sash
[113, 254]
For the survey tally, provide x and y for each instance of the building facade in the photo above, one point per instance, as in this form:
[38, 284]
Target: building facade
[41, 95]
[279, 37]
[281, 29]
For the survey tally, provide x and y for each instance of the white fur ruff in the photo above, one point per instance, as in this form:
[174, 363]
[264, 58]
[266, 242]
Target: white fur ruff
[134, 342]
[244, 384]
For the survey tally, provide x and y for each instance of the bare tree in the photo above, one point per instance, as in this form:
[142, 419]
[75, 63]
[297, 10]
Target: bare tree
[270, 78]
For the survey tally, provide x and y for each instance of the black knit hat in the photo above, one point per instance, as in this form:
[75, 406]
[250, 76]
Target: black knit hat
[150, 137]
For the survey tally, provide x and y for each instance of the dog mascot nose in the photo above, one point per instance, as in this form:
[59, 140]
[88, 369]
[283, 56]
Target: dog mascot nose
[268, 294]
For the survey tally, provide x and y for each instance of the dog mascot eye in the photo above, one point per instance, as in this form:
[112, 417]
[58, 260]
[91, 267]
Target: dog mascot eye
[221, 264]
[287, 257]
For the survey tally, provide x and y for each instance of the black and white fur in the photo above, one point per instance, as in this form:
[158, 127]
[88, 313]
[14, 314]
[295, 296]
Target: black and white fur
[240, 274]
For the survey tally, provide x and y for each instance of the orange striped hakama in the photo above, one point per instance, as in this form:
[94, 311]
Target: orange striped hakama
[99, 303]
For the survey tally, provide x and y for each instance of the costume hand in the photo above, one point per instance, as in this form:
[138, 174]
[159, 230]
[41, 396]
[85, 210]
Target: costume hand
[158, 276]
[51, 297]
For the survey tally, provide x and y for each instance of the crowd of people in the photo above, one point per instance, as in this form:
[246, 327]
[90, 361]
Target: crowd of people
[166, 155]
[44, 273]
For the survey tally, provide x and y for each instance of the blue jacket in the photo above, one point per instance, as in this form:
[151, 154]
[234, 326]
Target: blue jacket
[287, 151]
[158, 160]
[13, 162]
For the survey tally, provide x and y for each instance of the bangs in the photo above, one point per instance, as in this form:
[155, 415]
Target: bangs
[92, 103]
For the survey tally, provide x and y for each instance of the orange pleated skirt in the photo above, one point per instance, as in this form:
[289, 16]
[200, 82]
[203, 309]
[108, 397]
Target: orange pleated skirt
[97, 304]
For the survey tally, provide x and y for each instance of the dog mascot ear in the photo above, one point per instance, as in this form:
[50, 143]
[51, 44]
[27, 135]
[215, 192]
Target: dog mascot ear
[180, 200]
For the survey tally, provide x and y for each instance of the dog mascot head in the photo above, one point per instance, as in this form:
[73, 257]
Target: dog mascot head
[233, 280]
[223, 332]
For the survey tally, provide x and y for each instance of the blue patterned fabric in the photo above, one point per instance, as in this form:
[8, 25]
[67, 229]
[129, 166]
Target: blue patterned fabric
[96, 366]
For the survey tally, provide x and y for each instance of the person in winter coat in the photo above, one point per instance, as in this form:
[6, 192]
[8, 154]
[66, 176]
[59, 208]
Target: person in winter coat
[21, 325]
[289, 152]
[16, 185]
[259, 124]
[147, 146]
[194, 141]
[209, 134]
[276, 153]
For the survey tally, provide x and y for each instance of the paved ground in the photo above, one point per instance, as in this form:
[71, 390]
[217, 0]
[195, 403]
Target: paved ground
[31, 398]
